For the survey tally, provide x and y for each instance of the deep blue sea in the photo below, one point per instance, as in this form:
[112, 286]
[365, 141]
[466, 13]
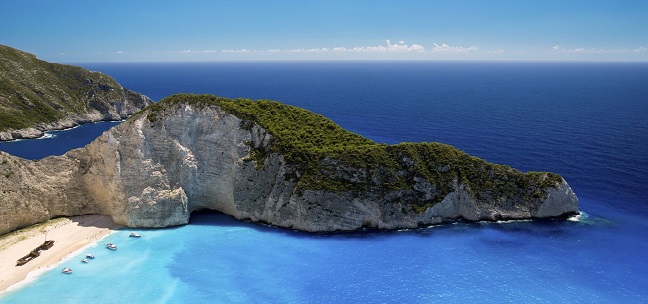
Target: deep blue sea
[585, 121]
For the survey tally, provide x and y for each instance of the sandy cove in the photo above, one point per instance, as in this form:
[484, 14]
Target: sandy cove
[69, 235]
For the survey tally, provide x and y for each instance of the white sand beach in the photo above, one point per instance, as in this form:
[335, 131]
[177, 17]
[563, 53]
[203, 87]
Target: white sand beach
[69, 235]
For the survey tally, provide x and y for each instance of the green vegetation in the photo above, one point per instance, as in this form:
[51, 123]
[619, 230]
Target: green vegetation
[328, 157]
[33, 91]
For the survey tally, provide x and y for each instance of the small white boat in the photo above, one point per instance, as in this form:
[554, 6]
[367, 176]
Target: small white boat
[84, 260]
[111, 246]
[66, 270]
[133, 234]
[90, 256]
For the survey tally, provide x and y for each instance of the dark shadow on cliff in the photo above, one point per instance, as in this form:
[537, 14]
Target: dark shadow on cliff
[98, 221]
[215, 218]
[497, 234]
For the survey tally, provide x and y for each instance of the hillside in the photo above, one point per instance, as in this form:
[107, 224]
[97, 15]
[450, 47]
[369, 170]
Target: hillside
[325, 155]
[268, 162]
[36, 96]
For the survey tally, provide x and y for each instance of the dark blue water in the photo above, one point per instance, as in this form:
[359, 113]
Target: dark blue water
[586, 121]
[56, 142]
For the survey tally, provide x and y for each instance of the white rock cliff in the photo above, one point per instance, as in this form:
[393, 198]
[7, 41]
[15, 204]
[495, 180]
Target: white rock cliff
[155, 173]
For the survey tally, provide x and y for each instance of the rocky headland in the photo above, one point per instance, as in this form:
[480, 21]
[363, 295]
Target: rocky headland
[38, 96]
[267, 162]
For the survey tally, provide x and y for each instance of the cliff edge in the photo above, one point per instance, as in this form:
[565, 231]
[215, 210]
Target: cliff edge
[268, 162]
[37, 96]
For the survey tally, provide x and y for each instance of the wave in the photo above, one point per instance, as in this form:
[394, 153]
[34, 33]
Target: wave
[47, 135]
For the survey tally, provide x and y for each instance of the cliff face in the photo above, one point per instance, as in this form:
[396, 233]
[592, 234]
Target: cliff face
[37, 96]
[155, 169]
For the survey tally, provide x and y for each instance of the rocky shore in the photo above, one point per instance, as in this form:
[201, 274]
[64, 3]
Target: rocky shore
[157, 167]
[38, 96]
[126, 106]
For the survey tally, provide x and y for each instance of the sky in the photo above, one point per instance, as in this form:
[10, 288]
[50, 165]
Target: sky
[243, 30]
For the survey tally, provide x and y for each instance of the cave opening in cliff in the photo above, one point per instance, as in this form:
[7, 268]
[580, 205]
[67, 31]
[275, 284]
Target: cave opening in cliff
[208, 217]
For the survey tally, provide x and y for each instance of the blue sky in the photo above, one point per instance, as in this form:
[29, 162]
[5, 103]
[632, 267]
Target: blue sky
[218, 30]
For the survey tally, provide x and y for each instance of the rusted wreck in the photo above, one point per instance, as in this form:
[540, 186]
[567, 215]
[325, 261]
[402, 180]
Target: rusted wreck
[35, 253]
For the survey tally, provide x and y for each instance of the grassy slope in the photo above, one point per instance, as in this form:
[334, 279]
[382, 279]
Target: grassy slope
[332, 158]
[33, 91]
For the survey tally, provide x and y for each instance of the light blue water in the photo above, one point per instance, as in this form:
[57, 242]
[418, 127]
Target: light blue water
[217, 259]
[588, 122]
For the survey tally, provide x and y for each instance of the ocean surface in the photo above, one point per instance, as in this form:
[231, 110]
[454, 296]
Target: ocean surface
[585, 121]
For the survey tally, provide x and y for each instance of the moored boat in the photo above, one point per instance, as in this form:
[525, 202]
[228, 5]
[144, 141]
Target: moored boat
[90, 256]
[66, 270]
[111, 246]
[133, 234]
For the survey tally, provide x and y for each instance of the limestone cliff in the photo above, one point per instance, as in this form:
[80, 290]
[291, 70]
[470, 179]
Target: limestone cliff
[37, 96]
[267, 162]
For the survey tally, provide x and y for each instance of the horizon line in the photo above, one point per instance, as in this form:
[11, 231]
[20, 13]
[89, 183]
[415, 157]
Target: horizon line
[360, 61]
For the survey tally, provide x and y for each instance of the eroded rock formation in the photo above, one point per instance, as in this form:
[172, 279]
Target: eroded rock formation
[150, 172]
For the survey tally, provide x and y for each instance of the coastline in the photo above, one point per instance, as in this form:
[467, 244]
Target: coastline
[40, 132]
[69, 234]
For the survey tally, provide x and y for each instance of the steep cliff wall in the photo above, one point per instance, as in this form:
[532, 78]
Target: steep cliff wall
[200, 152]
[37, 96]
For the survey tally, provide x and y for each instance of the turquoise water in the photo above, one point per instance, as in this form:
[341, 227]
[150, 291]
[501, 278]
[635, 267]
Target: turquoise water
[217, 259]
[588, 122]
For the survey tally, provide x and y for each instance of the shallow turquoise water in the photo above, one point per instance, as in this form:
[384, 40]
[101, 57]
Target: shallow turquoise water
[217, 259]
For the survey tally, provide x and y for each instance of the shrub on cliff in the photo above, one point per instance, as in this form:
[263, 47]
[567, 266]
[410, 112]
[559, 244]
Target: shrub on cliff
[329, 157]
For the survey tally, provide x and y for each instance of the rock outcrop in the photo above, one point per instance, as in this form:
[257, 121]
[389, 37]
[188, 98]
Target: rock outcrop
[177, 157]
[38, 96]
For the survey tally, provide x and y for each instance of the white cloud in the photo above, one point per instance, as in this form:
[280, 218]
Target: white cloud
[453, 49]
[234, 51]
[198, 52]
[250, 51]
[558, 49]
[387, 48]
[119, 52]
[316, 50]
[400, 47]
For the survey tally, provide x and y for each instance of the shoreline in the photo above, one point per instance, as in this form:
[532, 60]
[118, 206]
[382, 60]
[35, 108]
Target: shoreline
[70, 235]
[38, 132]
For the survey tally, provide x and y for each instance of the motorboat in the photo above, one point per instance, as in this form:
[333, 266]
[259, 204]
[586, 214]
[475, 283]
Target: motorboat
[84, 260]
[133, 234]
[90, 256]
[111, 246]
[66, 270]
